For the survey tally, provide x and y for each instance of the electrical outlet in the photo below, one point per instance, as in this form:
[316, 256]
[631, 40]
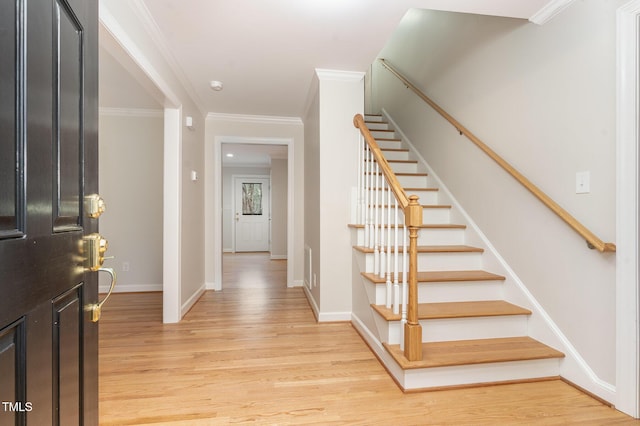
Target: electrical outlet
[315, 280]
[126, 266]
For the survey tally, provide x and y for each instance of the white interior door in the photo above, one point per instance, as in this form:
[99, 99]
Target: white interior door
[252, 213]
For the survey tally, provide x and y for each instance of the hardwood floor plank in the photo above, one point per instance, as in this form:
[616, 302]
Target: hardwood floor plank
[253, 354]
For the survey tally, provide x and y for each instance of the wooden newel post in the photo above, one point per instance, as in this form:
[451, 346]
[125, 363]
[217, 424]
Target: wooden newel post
[412, 328]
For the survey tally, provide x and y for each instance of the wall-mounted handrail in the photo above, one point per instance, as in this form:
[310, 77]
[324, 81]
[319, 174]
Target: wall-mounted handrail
[592, 240]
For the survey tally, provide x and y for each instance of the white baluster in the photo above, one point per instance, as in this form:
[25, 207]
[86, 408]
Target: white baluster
[359, 217]
[368, 241]
[383, 259]
[396, 302]
[376, 229]
[389, 286]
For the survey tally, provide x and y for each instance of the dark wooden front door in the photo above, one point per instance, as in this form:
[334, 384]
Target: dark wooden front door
[48, 164]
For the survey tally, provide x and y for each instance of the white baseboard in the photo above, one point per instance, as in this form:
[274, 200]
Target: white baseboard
[192, 301]
[131, 288]
[213, 286]
[227, 250]
[312, 302]
[278, 257]
[325, 316]
[297, 283]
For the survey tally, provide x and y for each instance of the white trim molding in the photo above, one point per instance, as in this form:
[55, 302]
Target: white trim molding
[192, 300]
[549, 11]
[255, 119]
[627, 283]
[213, 183]
[131, 288]
[131, 112]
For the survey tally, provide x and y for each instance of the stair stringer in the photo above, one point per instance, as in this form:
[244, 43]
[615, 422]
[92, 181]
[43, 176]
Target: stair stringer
[541, 326]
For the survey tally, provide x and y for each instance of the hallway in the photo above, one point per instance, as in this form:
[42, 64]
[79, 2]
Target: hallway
[253, 353]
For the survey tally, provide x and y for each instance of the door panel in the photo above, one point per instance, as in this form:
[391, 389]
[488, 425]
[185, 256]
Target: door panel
[68, 50]
[11, 39]
[252, 214]
[48, 162]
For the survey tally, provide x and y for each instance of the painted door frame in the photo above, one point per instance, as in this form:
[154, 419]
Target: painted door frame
[233, 203]
[213, 248]
[627, 187]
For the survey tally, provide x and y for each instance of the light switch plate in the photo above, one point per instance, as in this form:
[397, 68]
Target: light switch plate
[583, 182]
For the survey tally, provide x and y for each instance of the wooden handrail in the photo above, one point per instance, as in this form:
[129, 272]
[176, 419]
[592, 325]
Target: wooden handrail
[395, 186]
[590, 237]
[413, 219]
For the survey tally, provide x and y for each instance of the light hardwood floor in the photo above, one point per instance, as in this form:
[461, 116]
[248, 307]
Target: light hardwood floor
[253, 354]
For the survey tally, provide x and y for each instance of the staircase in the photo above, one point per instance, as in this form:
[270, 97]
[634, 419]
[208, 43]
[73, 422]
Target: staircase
[470, 334]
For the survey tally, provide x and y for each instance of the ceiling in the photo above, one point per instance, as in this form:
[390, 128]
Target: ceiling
[265, 51]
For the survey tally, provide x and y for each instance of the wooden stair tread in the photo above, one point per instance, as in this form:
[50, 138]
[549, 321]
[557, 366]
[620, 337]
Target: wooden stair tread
[407, 190]
[441, 276]
[485, 308]
[481, 351]
[434, 249]
[424, 206]
[400, 174]
[400, 161]
[395, 150]
[423, 226]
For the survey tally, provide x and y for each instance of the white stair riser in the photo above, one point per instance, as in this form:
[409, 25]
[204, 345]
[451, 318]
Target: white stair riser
[441, 292]
[404, 167]
[429, 261]
[479, 373]
[378, 125]
[389, 144]
[424, 197]
[379, 134]
[449, 261]
[438, 330]
[399, 167]
[426, 236]
[413, 181]
[467, 291]
[368, 117]
[396, 155]
[429, 215]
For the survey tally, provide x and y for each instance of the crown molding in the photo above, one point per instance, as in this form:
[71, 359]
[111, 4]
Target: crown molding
[153, 30]
[549, 11]
[131, 112]
[254, 119]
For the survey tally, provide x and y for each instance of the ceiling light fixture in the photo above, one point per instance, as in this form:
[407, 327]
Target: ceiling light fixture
[215, 85]
[229, 155]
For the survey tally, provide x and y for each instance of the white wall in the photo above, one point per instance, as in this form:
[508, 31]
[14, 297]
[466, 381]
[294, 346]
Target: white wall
[279, 208]
[223, 128]
[331, 165]
[227, 200]
[183, 257]
[131, 158]
[312, 194]
[544, 99]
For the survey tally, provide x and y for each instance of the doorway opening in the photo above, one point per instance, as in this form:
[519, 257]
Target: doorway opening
[239, 158]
